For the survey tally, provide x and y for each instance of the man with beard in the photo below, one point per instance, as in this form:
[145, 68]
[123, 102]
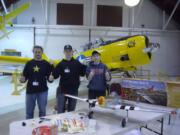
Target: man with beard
[36, 72]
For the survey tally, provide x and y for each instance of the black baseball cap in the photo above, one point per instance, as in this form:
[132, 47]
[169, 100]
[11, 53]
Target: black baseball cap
[67, 47]
[95, 52]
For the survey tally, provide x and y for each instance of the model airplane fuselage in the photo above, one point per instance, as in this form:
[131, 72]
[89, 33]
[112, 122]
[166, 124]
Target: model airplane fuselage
[125, 54]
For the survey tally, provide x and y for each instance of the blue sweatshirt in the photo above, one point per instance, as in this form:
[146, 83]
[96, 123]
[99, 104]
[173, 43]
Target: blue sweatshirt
[98, 81]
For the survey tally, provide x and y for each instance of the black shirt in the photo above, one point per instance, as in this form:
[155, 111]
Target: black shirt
[37, 74]
[69, 72]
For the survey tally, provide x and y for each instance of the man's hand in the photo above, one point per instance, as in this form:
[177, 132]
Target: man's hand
[51, 77]
[91, 74]
[108, 77]
[22, 79]
[51, 62]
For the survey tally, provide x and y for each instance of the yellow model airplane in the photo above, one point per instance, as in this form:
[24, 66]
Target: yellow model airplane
[123, 54]
[7, 18]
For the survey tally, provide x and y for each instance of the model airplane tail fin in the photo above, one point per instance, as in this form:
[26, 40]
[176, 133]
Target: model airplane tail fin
[17, 11]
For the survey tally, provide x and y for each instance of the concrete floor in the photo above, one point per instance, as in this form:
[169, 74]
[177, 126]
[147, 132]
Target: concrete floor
[17, 115]
[12, 109]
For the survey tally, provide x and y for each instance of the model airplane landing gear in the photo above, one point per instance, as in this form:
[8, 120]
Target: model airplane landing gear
[123, 122]
[90, 114]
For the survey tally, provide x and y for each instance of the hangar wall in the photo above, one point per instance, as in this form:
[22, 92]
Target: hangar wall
[146, 13]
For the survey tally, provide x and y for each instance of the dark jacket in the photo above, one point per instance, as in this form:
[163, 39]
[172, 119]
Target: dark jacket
[37, 74]
[69, 72]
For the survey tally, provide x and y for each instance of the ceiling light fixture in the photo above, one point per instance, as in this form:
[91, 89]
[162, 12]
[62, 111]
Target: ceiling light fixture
[131, 3]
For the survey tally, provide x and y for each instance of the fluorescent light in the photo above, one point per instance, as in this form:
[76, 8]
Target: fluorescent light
[131, 3]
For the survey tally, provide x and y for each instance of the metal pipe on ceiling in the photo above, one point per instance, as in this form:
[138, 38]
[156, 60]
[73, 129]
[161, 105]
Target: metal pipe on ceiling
[172, 13]
[4, 6]
[65, 27]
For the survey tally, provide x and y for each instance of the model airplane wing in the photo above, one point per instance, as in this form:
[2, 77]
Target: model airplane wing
[8, 64]
[11, 63]
[138, 106]
[13, 60]
[82, 99]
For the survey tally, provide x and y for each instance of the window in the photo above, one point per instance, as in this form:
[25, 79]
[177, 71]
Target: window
[69, 14]
[109, 16]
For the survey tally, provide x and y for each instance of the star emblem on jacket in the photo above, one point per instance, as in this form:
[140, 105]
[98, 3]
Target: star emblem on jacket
[36, 68]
